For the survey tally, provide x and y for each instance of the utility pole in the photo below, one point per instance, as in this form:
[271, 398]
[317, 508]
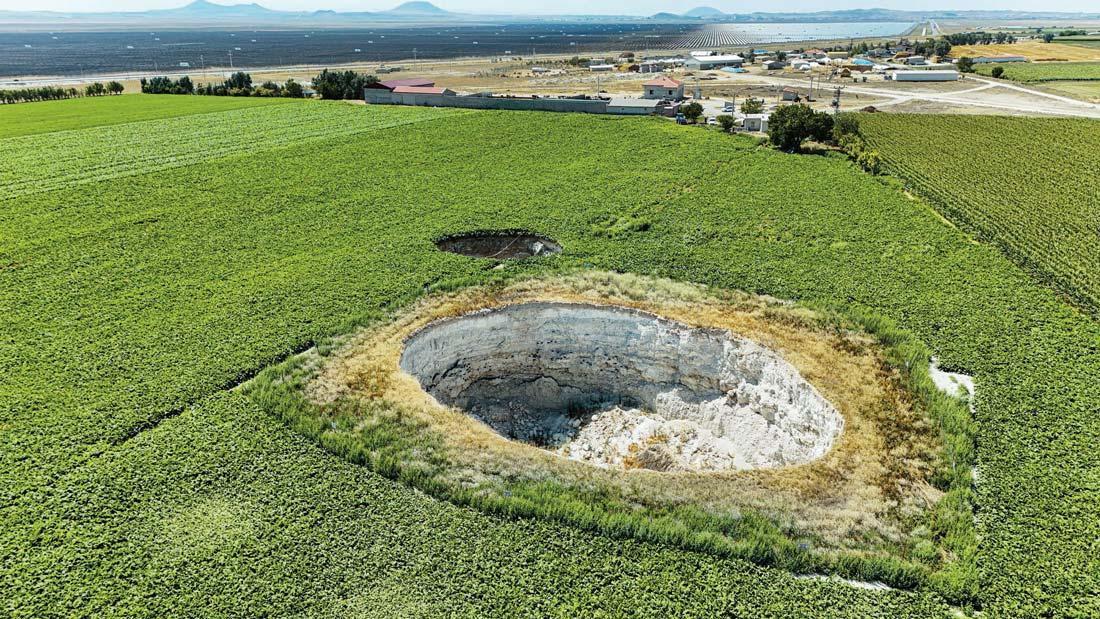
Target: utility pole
[230, 60]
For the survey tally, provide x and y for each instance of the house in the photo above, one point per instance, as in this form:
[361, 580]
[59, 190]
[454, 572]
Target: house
[421, 90]
[754, 122]
[924, 76]
[773, 65]
[539, 70]
[624, 105]
[915, 60]
[837, 55]
[703, 63]
[663, 87]
[416, 82]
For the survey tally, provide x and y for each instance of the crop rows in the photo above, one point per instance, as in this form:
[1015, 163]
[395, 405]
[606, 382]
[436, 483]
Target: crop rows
[133, 482]
[38, 163]
[49, 116]
[1043, 211]
[1045, 71]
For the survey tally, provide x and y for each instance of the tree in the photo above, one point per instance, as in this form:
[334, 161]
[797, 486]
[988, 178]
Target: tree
[997, 71]
[692, 111]
[184, 86]
[342, 85]
[752, 106]
[293, 90]
[115, 88]
[726, 122]
[845, 126]
[965, 64]
[781, 56]
[239, 84]
[791, 125]
[1048, 37]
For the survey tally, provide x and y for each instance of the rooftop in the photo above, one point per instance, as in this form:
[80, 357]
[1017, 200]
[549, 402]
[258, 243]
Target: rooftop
[629, 102]
[408, 81]
[418, 90]
[663, 82]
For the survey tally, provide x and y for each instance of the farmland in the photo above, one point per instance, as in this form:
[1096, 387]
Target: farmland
[1032, 50]
[138, 481]
[1046, 71]
[50, 116]
[1047, 226]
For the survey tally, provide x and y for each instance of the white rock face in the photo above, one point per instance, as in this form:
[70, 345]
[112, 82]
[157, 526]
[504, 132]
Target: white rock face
[618, 387]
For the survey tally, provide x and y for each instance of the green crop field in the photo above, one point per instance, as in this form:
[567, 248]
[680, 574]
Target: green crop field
[1025, 205]
[1045, 71]
[149, 267]
[47, 116]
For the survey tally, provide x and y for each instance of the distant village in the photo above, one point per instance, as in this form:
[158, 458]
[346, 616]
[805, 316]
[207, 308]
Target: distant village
[664, 95]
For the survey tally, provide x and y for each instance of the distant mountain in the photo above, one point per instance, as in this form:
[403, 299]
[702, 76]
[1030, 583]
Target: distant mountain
[417, 7]
[704, 11]
[208, 10]
[202, 13]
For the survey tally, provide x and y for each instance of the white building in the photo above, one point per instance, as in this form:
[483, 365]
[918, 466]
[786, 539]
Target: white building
[601, 68]
[703, 63]
[663, 87]
[754, 122]
[923, 76]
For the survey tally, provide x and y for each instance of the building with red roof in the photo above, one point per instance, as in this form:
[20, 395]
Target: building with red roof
[415, 82]
[663, 87]
[421, 90]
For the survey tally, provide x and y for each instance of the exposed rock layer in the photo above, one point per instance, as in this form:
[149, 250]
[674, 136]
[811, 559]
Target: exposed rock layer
[623, 388]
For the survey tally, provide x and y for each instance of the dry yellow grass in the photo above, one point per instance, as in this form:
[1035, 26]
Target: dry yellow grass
[876, 471]
[1031, 50]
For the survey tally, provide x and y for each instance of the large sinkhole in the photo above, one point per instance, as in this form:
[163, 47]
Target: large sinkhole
[499, 245]
[622, 388]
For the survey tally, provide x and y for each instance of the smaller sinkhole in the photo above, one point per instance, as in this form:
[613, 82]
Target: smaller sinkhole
[499, 245]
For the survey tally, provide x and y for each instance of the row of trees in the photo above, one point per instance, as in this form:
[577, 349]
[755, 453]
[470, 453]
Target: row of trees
[328, 85]
[237, 85]
[979, 38]
[54, 93]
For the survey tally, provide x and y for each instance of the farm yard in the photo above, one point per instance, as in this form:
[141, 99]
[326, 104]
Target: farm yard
[165, 262]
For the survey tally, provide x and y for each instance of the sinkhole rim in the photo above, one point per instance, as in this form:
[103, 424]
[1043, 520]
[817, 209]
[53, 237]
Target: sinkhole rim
[721, 410]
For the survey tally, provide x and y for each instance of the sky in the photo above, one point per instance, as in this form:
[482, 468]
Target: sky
[634, 7]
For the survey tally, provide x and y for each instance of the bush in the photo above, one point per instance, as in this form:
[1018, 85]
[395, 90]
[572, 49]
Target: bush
[752, 106]
[726, 122]
[997, 72]
[692, 111]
